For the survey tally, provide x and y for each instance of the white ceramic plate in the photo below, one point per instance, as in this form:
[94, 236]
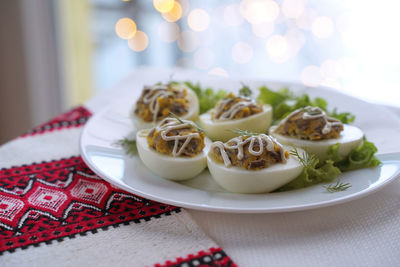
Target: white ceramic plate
[202, 193]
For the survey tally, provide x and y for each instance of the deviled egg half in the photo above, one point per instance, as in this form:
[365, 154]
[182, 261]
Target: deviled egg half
[311, 129]
[175, 149]
[158, 101]
[235, 112]
[252, 164]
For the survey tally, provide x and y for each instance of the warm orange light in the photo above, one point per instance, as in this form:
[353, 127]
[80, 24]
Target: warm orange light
[139, 42]
[163, 5]
[174, 14]
[125, 28]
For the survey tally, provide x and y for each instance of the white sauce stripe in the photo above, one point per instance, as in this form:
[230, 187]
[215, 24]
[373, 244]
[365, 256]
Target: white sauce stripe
[174, 124]
[238, 143]
[234, 109]
[152, 96]
[315, 113]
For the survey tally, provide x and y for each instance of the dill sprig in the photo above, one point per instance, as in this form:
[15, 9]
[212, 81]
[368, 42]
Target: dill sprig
[245, 133]
[176, 117]
[245, 90]
[306, 159]
[182, 122]
[128, 145]
[339, 186]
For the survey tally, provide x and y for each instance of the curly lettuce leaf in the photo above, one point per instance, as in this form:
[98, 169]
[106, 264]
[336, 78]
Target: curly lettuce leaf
[208, 97]
[360, 157]
[313, 174]
[284, 102]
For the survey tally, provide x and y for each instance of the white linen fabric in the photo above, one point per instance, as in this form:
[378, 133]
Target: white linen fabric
[363, 232]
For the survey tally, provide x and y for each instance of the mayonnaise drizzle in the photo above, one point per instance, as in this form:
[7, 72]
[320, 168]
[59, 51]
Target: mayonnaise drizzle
[238, 143]
[152, 99]
[174, 124]
[319, 113]
[231, 112]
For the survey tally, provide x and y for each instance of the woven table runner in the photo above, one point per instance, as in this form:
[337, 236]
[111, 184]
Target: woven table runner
[49, 197]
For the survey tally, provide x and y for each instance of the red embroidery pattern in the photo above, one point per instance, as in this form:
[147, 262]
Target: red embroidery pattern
[73, 118]
[51, 200]
[211, 257]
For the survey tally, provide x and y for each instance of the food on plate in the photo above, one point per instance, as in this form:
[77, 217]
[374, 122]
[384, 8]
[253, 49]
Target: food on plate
[175, 149]
[311, 129]
[235, 112]
[158, 101]
[252, 164]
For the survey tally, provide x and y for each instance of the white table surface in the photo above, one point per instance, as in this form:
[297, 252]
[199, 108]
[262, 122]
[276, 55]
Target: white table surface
[364, 232]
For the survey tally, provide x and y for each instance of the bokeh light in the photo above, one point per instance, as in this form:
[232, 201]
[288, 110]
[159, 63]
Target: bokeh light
[163, 6]
[219, 72]
[278, 48]
[242, 52]
[188, 41]
[174, 14]
[231, 15]
[263, 30]
[185, 6]
[293, 8]
[306, 19]
[125, 28]
[168, 31]
[204, 58]
[139, 42]
[330, 68]
[259, 11]
[198, 20]
[322, 27]
[311, 76]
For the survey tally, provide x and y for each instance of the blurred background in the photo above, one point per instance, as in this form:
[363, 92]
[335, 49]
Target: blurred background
[55, 54]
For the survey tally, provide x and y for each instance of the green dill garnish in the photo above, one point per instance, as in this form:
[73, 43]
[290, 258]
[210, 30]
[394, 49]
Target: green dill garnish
[306, 159]
[176, 117]
[182, 122]
[245, 90]
[332, 188]
[245, 133]
[128, 145]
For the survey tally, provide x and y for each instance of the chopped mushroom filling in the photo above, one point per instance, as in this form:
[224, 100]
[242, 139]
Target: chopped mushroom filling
[157, 101]
[250, 153]
[235, 107]
[310, 123]
[176, 138]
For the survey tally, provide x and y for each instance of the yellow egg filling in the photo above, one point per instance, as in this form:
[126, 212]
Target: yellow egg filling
[176, 138]
[235, 107]
[156, 102]
[310, 123]
[249, 154]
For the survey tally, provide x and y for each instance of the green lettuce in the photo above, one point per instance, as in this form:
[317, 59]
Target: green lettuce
[360, 157]
[208, 97]
[313, 172]
[284, 102]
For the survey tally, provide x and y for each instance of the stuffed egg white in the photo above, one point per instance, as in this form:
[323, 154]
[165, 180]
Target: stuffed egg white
[235, 112]
[312, 130]
[158, 101]
[252, 164]
[175, 150]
